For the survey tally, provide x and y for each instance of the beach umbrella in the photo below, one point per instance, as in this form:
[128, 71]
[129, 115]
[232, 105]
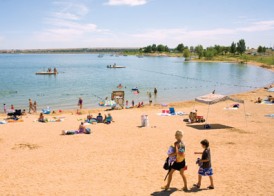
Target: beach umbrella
[213, 98]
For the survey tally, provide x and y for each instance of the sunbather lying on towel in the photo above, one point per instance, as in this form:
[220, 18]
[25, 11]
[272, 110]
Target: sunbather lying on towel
[82, 130]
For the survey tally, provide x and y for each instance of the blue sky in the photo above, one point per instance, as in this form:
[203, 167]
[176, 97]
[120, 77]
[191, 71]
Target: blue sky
[26, 24]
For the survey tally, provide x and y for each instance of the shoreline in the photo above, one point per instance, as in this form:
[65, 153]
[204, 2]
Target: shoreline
[251, 63]
[146, 107]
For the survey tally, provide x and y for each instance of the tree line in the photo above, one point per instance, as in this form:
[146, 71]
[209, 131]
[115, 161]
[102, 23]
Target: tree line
[209, 52]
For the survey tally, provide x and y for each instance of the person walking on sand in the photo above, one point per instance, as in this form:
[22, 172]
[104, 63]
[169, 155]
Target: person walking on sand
[80, 103]
[179, 164]
[34, 106]
[205, 165]
[30, 106]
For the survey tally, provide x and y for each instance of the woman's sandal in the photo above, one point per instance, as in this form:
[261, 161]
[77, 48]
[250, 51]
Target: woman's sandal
[196, 185]
[210, 187]
[185, 189]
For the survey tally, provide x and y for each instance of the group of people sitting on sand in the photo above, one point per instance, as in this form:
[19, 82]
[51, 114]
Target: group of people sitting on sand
[107, 119]
[139, 105]
[269, 99]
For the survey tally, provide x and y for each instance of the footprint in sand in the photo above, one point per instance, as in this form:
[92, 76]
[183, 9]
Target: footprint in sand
[26, 146]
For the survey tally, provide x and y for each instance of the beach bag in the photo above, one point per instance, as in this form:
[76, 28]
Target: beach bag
[167, 165]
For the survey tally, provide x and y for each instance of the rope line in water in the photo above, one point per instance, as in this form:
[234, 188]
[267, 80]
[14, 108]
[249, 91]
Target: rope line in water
[199, 79]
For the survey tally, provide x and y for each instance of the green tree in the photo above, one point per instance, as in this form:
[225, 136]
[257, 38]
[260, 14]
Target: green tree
[166, 48]
[241, 48]
[148, 49]
[210, 52]
[191, 48]
[186, 53]
[180, 47]
[199, 50]
[161, 48]
[154, 48]
[218, 49]
[233, 48]
[260, 49]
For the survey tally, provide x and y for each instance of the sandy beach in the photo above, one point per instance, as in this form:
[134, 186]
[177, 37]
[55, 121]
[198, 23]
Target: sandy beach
[124, 159]
[252, 63]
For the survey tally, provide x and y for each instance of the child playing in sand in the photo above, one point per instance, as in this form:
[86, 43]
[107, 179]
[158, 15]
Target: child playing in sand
[42, 118]
[179, 164]
[205, 165]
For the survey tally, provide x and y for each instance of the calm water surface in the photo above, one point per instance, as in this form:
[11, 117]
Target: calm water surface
[86, 76]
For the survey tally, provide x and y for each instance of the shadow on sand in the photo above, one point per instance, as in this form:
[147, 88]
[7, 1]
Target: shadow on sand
[212, 126]
[172, 190]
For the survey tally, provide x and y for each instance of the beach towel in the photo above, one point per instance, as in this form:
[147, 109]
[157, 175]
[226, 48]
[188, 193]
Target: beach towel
[14, 121]
[271, 90]
[171, 150]
[3, 122]
[181, 113]
[267, 102]
[230, 108]
[270, 115]
[71, 132]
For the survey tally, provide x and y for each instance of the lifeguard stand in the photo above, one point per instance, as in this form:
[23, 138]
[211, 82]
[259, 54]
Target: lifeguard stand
[118, 97]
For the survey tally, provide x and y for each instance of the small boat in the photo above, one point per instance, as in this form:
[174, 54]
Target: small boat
[115, 66]
[140, 56]
[46, 73]
[100, 56]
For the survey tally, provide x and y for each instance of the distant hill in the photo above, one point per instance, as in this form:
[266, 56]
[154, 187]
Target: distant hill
[69, 50]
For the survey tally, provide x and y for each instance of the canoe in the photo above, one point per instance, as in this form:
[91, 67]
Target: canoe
[46, 73]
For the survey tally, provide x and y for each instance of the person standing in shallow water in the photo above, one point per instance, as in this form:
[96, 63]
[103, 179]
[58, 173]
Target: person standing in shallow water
[34, 106]
[155, 91]
[80, 103]
[30, 106]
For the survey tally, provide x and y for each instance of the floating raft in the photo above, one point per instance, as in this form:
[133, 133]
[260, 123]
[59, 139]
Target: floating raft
[46, 73]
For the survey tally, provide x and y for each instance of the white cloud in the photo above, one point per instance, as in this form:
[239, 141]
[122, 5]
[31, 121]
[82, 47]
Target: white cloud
[126, 2]
[175, 35]
[66, 24]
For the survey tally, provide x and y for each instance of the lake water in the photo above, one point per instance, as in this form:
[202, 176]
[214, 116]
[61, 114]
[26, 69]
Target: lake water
[86, 76]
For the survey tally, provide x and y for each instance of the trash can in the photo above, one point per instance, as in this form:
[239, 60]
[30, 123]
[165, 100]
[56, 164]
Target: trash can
[144, 120]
